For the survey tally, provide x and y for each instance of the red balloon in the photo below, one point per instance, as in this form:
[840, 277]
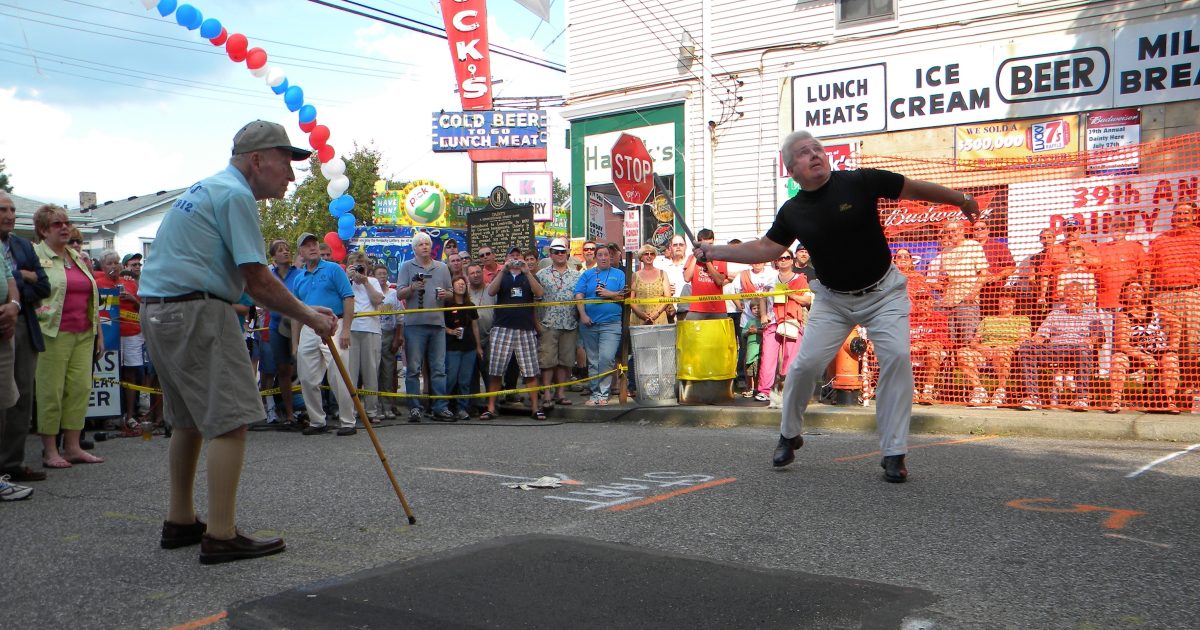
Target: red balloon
[337, 249]
[256, 58]
[324, 154]
[308, 126]
[318, 137]
[236, 47]
[219, 40]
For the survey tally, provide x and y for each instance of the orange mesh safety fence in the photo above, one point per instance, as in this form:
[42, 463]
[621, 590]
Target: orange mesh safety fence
[1078, 288]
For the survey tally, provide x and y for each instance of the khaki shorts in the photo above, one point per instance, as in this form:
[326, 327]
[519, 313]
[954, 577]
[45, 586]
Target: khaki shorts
[556, 348]
[199, 354]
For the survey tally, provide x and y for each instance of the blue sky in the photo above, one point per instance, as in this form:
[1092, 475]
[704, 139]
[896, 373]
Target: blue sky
[104, 96]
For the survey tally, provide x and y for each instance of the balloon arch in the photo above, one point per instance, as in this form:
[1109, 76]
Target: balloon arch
[341, 205]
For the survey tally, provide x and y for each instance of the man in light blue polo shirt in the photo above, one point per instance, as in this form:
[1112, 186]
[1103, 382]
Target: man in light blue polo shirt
[322, 283]
[208, 249]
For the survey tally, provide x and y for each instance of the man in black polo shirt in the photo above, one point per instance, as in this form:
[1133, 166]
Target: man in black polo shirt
[836, 216]
[513, 329]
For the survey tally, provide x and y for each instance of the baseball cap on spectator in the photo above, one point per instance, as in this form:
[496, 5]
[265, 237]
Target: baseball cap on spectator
[304, 237]
[559, 243]
[1071, 222]
[260, 135]
[514, 248]
[129, 257]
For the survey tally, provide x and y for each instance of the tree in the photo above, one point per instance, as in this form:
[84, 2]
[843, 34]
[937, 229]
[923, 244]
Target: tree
[307, 208]
[560, 192]
[4, 179]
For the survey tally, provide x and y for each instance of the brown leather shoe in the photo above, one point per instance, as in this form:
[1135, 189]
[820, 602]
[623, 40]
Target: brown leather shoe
[240, 547]
[24, 474]
[175, 536]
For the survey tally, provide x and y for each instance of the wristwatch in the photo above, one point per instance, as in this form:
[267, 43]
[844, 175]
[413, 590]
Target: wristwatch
[966, 198]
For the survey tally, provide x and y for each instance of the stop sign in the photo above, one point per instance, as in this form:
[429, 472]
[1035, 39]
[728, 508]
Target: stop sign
[632, 169]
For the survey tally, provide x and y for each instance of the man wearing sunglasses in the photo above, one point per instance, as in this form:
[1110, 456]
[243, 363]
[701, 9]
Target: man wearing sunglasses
[836, 216]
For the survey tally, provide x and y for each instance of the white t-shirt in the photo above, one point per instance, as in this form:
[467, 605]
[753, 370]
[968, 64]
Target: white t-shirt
[762, 281]
[733, 288]
[390, 301]
[362, 304]
[675, 275]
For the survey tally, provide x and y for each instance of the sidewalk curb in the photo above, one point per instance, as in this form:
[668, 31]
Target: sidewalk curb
[939, 419]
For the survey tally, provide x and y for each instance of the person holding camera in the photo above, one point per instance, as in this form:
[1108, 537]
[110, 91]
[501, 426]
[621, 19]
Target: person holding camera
[513, 329]
[600, 324]
[424, 283]
[366, 334]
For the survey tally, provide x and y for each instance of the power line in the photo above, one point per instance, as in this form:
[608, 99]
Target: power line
[499, 50]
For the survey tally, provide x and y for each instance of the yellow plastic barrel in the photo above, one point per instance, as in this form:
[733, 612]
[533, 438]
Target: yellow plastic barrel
[706, 350]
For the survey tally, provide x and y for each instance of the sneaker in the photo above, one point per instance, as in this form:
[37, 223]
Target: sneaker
[978, 397]
[388, 415]
[1079, 405]
[414, 415]
[13, 492]
[927, 397]
[462, 414]
[761, 397]
[311, 430]
[444, 415]
[999, 397]
[1031, 404]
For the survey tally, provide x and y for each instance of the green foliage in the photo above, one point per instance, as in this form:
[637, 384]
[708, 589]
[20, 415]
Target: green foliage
[307, 208]
[560, 192]
[4, 179]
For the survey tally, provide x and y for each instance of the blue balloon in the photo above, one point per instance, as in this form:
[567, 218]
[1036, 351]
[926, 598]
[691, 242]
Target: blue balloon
[294, 97]
[166, 7]
[281, 88]
[308, 113]
[345, 229]
[210, 28]
[335, 209]
[189, 17]
[345, 203]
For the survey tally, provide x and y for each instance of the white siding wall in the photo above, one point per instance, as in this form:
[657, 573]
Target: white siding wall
[133, 232]
[612, 51]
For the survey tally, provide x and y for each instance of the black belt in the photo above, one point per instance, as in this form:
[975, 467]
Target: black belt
[186, 297]
[863, 291]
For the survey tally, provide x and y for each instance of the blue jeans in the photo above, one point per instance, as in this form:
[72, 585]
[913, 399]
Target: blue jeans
[601, 342]
[421, 340]
[460, 369]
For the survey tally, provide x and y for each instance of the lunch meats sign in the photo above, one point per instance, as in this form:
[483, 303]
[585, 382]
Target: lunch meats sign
[1134, 65]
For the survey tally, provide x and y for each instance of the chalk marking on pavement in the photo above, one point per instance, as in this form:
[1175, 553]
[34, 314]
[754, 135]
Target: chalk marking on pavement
[202, 622]
[1148, 542]
[668, 495]
[980, 438]
[1118, 518]
[1161, 460]
[484, 473]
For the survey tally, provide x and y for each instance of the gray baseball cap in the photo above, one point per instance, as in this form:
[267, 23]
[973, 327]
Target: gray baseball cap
[260, 135]
[304, 237]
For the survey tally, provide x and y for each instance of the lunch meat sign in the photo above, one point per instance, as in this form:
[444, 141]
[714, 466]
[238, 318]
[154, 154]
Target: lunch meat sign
[1139, 64]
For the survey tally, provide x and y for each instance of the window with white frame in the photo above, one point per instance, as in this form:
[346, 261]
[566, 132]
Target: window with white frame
[853, 12]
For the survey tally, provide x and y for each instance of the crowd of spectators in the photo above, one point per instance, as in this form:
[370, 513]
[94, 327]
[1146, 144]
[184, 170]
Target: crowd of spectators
[1080, 324]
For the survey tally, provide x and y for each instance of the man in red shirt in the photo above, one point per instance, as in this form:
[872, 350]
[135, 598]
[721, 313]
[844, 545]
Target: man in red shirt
[1174, 267]
[1000, 263]
[1058, 257]
[1120, 260]
[490, 266]
[930, 338]
[132, 343]
[706, 278]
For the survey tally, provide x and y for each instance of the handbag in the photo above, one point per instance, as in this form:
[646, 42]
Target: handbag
[788, 329]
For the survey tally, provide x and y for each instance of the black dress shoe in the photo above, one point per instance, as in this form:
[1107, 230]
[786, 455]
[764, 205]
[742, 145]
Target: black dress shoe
[785, 451]
[311, 430]
[24, 474]
[240, 547]
[347, 431]
[893, 469]
[86, 444]
[175, 536]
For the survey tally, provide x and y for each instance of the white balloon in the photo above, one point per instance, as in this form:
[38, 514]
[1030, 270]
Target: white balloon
[260, 72]
[275, 77]
[333, 168]
[149, 4]
[338, 186]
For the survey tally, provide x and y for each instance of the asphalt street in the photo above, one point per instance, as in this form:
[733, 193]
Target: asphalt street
[990, 532]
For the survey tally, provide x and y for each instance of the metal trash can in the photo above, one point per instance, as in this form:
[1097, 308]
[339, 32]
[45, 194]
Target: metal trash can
[653, 350]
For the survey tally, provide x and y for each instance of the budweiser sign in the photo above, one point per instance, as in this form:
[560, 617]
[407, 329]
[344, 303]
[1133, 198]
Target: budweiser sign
[912, 215]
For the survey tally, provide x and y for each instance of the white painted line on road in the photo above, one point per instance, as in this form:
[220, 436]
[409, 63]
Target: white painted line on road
[1148, 542]
[1161, 460]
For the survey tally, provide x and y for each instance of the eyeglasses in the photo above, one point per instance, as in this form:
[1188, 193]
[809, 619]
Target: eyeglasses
[558, 251]
[59, 224]
[75, 241]
[8, 208]
[485, 254]
[785, 258]
[678, 244]
[647, 253]
[589, 249]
